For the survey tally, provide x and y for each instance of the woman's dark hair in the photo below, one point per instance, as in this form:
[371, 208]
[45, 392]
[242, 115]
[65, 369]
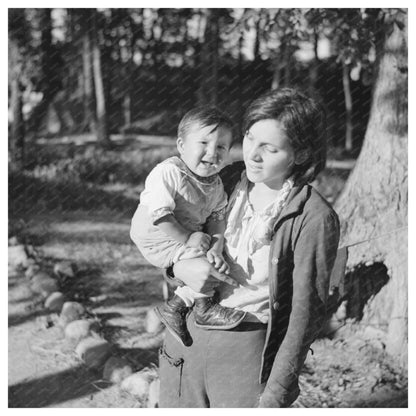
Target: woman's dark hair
[204, 116]
[304, 121]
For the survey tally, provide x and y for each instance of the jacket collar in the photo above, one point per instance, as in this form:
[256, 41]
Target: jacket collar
[296, 201]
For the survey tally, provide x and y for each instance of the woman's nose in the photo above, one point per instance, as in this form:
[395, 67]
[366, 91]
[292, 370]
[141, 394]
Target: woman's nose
[255, 154]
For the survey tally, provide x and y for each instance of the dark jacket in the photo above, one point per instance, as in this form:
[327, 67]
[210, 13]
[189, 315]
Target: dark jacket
[302, 254]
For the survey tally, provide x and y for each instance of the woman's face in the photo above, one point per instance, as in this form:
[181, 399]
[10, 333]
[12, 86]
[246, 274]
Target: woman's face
[268, 155]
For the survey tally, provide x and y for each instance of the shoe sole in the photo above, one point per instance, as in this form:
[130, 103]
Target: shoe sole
[167, 326]
[223, 327]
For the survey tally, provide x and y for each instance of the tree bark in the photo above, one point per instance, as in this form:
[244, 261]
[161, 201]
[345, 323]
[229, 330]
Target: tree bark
[375, 198]
[17, 131]
[89, 121]
[208, 91]
[102, 128]
[348, 106]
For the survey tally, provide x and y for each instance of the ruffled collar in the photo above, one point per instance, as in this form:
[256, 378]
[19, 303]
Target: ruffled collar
[248, 227]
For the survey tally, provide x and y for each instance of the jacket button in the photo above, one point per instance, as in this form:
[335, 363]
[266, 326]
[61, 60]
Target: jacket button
[275, 305]
[275, 260]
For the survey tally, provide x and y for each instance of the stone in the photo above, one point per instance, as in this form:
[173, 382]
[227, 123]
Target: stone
[31, 270]
[152, 322]
[153, 395]
[93, 352]
[17, 256]
[13, 241]
[117, 369]
[78, 329]
[43, 284]
[137, 385]
[71, 311]
[64, 269]
[55, 301]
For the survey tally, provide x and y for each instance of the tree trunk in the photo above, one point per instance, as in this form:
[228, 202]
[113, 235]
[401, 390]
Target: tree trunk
[89, 121]
[51, 64]
[348, 106]
[314, 65]
[102, 130]
[373, 204]
[208, 91]
[16, 140]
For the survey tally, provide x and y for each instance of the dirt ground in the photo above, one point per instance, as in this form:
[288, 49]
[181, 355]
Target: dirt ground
[118, 287]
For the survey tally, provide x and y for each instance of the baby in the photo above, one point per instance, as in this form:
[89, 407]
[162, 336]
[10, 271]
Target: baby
[183, 198]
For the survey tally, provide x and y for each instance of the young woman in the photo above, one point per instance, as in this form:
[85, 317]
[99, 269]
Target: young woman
[281, 241]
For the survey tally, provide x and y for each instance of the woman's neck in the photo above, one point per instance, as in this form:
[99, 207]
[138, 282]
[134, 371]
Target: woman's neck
[261, 195]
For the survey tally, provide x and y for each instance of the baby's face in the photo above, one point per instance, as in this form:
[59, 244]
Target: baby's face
[205, 150]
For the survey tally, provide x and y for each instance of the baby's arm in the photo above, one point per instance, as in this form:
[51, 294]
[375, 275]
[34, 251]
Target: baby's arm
[216, 229]
[171, 226]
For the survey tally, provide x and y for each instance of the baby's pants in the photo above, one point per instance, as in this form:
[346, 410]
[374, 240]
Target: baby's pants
[220, 368]
[164, 253]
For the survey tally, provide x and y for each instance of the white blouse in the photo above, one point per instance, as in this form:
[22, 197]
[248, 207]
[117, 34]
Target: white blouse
[247, 246]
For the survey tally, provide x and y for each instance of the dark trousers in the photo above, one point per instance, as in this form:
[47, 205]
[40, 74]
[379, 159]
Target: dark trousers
[220, 368]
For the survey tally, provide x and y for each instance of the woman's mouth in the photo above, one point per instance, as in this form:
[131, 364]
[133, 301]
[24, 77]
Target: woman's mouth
[253, 168]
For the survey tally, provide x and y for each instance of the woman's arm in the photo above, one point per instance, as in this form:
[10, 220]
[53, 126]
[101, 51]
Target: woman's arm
[314, 257]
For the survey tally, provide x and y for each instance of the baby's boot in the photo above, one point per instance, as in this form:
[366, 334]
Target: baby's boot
[173, 316]
[210, 315]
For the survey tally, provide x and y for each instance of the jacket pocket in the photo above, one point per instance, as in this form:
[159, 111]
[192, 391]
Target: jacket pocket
[171, 369]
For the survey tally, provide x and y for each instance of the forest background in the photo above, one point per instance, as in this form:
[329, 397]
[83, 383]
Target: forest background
[94, 99]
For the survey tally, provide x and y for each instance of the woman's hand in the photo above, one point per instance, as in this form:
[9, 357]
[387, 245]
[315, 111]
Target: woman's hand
[199, 240]
[200, 275]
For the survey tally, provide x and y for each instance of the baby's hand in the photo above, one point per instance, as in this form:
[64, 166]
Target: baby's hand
[217, 259]
[199, 240]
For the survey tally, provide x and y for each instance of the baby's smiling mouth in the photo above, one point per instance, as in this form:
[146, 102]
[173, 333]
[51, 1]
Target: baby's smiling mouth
[207, 163]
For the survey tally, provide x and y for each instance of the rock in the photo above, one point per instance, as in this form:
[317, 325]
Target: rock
[71, 311]
[371, 333]
[43, 284]
[341, 312]
[18, 256]
[93, 351]
[64, 269]
[116, 369]
[138, 384]
[153, 395]
[78, 329]
[55, 301]
[331, 327]
[152, 322]
[13, 241]
[31, 270]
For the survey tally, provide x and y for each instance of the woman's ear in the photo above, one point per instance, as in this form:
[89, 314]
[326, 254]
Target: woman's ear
[301, 157]
[179, 145]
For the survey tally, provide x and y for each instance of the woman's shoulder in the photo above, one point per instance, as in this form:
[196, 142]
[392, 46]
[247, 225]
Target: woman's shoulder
[231, 174]
[317, 206]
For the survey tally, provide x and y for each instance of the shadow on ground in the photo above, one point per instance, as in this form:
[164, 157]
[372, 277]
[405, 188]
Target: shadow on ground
[55, 388]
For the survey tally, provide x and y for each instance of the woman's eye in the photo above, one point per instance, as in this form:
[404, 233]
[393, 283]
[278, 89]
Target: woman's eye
[271, 149]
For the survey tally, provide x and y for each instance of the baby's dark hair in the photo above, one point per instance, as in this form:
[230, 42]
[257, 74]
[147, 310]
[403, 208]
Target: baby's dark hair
[304, 121]
[204, 116]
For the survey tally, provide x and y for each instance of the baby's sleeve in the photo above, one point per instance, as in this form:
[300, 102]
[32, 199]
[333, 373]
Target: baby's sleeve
[160, 190]
[218, 213]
